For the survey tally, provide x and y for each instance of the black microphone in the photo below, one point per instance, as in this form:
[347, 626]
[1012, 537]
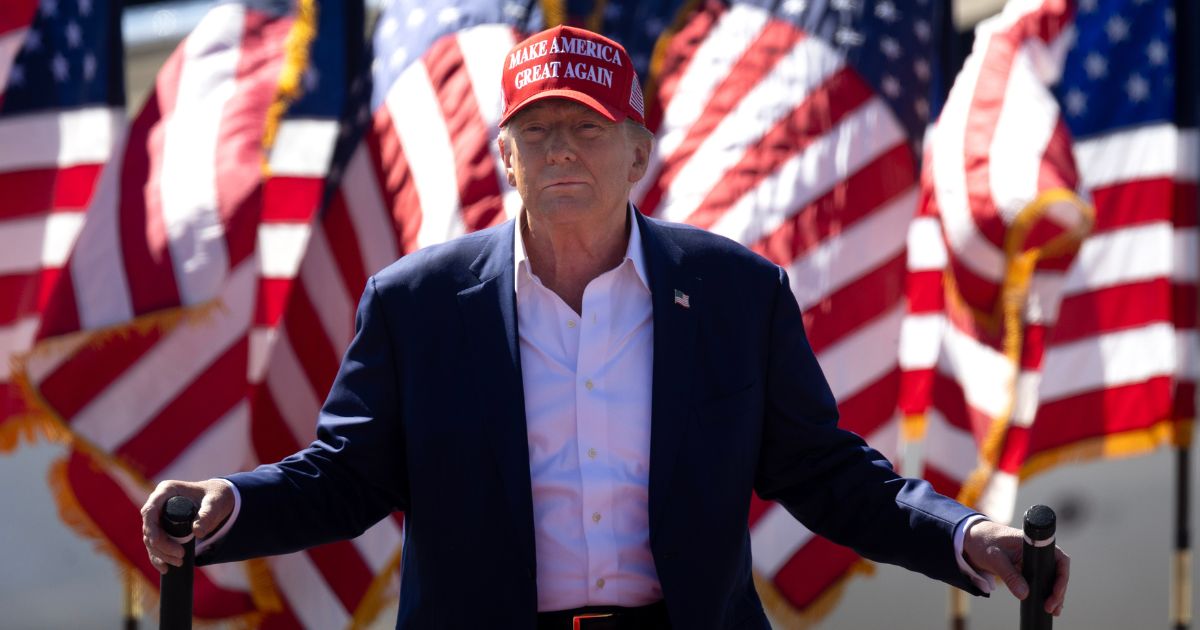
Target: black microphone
[175, 598]
[1038, 567]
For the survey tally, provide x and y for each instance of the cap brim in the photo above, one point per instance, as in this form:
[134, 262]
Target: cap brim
[610, 113]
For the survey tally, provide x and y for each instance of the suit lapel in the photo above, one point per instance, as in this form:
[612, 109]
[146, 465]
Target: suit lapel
[674, 349]
[490, 313]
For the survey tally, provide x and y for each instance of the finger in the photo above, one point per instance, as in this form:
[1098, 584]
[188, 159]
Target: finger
[1059, 593]
[158, 565]
[207, 516]
[164, 548]
[1000, 564]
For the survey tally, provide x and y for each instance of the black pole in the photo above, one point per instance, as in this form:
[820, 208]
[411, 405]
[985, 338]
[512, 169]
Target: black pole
[1038, 567]
[1187, 112]
[175, 599]
[1181, 614]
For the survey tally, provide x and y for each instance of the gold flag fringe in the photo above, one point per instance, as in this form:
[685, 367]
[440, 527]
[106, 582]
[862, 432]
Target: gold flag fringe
[73, 514]
[30, 428]
[661, 45]
[788, 616]
[913, 427]
[595, 19]
[1013, 292]
[295, 62]
[553, 13]
[1177, 432]
[42, 420]
[377, 596]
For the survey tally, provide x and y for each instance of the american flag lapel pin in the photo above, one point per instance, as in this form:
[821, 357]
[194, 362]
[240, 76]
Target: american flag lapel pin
[681, 299]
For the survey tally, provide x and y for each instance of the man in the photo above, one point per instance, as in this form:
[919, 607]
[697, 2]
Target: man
[573, 409]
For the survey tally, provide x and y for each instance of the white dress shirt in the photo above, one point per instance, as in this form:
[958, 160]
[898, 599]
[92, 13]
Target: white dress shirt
[587, 384]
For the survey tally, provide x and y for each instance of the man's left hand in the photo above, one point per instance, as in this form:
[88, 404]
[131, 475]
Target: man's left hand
[997, 549]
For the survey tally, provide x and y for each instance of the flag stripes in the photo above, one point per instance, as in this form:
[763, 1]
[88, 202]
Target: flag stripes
[770, 138]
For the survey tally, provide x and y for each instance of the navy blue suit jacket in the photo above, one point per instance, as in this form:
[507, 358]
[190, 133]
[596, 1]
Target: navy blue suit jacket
[427, 416]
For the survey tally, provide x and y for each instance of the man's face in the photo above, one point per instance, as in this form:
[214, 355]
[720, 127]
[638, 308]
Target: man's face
[570, 163]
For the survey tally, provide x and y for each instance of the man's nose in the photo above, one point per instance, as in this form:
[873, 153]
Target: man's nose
[559, 145]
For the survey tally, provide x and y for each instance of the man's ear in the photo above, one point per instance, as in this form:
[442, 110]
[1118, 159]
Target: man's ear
[506, 157]
[642, 145]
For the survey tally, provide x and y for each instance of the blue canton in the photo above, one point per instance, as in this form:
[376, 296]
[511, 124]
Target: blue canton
[72, 57]
[407, 28]
[1120, 71]
[889, 43]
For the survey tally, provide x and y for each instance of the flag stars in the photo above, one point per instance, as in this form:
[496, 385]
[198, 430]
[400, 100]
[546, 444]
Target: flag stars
[921, 106]
[49, 8]
[1087, 6]
[1137, 88]
[33, 40]
[389, 26]
[398, 58]
[886, 11]
[890, 86]
[1117, 29]
[74, 35]
[921, 67]
[846, 36]
[89, 67]
[59, 67]
[16, 76]
[85, 7]
[514, 10]
[1169, 18]
[1076, 102]
[311, 79]
[416, 18]
[923, 30]
[1157, 52]
[1095, 65]
[844, 5]
[890, 47]
[449, 15]
[794, 7]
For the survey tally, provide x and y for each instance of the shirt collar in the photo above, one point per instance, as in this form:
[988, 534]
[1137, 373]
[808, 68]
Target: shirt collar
[523, 271]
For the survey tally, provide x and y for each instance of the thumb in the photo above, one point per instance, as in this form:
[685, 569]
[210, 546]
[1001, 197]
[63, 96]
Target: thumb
[209, 516]
[1003, 567]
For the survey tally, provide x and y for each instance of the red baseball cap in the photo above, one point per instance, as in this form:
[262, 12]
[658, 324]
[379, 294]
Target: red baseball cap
[576, 64]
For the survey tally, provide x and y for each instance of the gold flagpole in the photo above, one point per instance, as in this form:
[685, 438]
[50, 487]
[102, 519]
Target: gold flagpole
[131, 611]
[959, 609]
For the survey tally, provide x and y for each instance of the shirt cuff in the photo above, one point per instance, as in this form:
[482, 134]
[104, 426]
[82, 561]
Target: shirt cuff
[216, 536]
[986, 582]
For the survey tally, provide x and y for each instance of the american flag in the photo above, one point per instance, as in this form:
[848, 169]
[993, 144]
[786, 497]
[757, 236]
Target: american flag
[61, 117]
[1101, 359]
[14, 24]
[791, 128]
[228, 218]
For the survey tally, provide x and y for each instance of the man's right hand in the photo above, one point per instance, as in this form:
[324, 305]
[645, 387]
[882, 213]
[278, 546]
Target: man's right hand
[216, 500]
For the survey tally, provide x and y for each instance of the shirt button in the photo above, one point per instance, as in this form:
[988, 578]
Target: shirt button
[588, 384]
[600, 583]
[591, 453]
[570, 323]
[595, 517]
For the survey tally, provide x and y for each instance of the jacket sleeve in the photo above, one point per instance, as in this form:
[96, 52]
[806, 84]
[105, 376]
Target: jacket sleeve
[830, 480]
[352, 476]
